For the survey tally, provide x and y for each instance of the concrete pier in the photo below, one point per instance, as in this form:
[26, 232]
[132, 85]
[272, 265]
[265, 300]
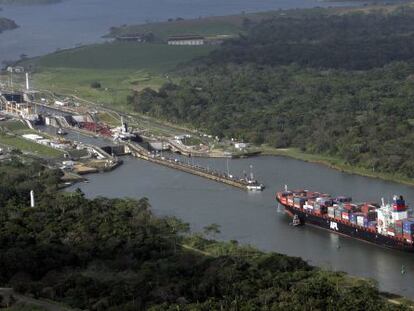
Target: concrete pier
[142, 153]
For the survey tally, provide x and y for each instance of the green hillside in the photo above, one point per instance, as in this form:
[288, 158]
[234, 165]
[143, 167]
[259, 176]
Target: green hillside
[118, 67]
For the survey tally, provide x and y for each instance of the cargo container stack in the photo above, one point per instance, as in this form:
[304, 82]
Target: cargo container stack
[399, 209]
[298, 202]
[384, 218]
[331, 211]
[408, 229]
[386, 224]
[398, 229]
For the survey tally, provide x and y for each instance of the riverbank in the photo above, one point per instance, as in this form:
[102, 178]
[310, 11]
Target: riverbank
[202, 274]
[335, 163]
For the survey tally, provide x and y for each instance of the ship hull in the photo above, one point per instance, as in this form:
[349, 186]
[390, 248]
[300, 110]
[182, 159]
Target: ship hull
[349, 230]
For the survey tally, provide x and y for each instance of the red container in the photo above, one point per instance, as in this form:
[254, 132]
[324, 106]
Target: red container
[366, 208]
[349, 207]
[397, 208]
[345, 215]
[372, 216]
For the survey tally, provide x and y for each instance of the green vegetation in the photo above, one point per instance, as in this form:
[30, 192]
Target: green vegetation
[117, 67]
[210, 26]
[28, 146]
[11, 132]
[24, 308]
[191, 141]
[114, 254]
[333, 85]
[336, 163]
[14, 126]
[6, 24]
[109, 118]
[158, 58]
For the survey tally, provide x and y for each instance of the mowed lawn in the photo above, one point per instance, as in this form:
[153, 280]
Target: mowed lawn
[118, 67]
[209, 26]
[29, 146]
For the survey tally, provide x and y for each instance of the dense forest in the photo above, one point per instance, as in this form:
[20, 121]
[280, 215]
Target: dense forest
[340, 85]
[114, 254]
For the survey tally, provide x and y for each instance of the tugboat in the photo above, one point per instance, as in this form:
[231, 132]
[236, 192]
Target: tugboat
[296, 221]
[253, 184]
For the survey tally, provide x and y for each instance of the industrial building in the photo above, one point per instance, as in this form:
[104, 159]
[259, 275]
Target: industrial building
[186, 40]
[16, 104]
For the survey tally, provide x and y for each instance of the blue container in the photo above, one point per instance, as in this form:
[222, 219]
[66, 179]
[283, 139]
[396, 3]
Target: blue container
[299, 200]
[372, 224]
[343, 199]
[353, 218]
[408, 225]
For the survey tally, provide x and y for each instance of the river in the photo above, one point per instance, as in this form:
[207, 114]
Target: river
[254, 218]
[46, 28]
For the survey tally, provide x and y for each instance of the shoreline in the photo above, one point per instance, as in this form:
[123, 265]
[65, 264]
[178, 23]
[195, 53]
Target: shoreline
[335, 163]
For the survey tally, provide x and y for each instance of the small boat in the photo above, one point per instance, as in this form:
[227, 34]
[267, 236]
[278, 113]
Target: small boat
[296, 221]
[255, 187]
[252, 183]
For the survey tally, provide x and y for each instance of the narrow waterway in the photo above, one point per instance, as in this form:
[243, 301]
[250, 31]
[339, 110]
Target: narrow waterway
[254, 218]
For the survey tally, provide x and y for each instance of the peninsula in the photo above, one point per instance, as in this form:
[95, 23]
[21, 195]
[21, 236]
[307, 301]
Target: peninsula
[7, 24]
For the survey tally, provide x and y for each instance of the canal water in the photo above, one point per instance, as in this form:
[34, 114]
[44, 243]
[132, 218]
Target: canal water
[46, 28]
[254, 218]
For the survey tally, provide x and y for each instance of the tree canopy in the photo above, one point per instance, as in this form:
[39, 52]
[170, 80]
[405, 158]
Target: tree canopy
[340, 85]
[114, 254]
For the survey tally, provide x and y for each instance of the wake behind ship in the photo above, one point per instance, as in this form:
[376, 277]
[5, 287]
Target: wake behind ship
[389, 225]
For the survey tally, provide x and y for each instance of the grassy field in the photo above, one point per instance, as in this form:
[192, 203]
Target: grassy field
[14, 126]
[118, 67]
[28, 146]
[209, 26]
[156, 58]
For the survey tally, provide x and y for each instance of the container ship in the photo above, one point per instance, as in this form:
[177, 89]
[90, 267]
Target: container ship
[385, 224]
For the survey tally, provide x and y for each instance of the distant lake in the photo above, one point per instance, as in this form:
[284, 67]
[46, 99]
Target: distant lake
[45, 28]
